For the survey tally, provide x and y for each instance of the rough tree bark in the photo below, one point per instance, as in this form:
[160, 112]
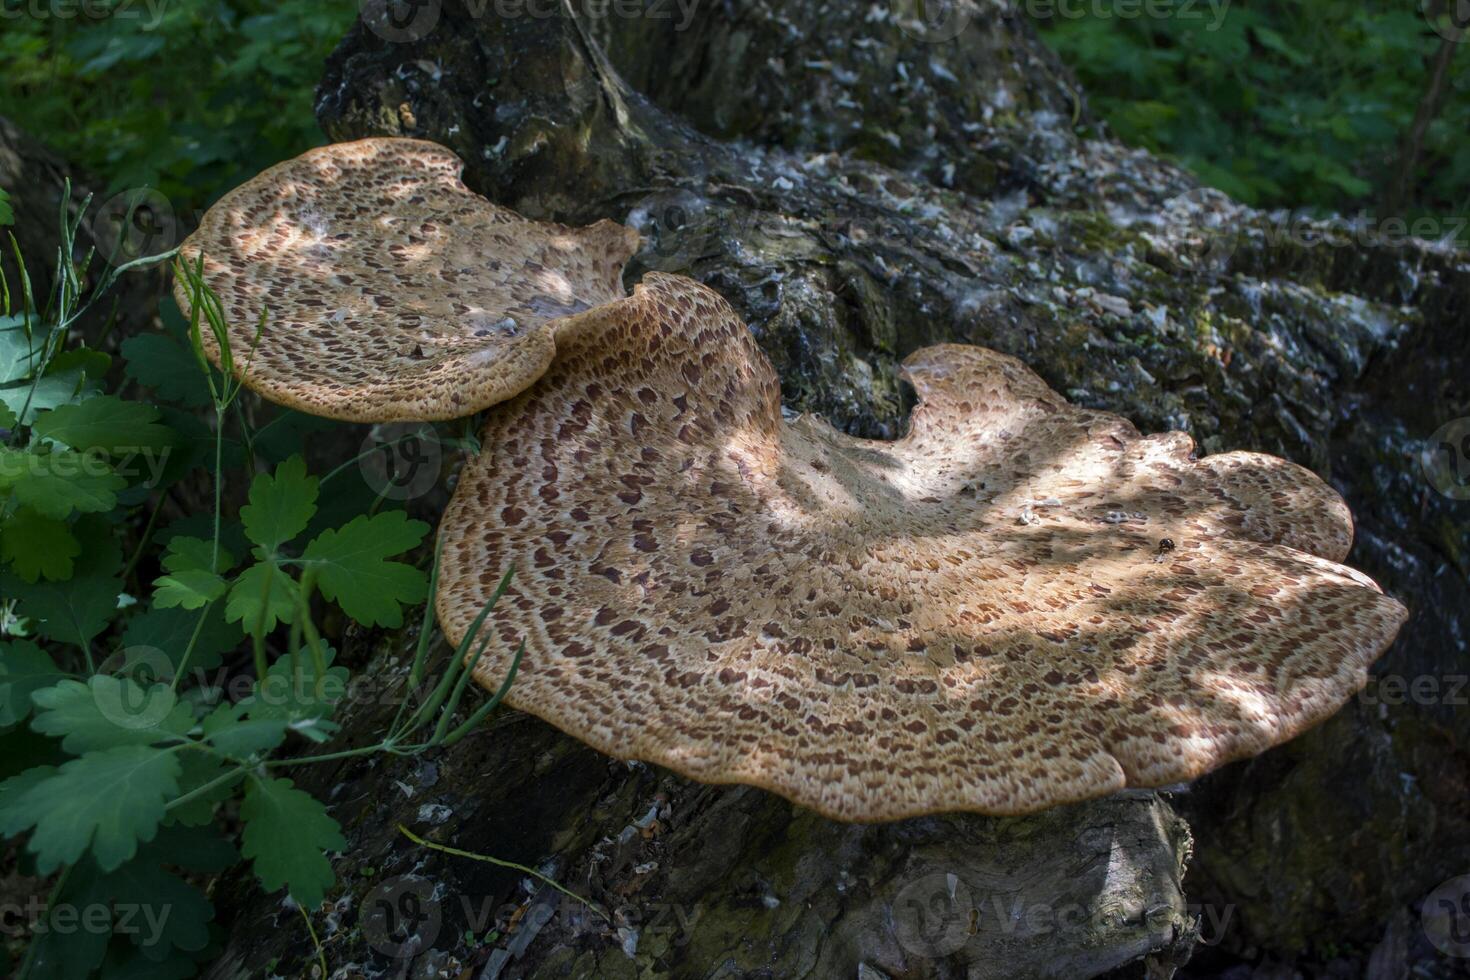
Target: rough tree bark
[858, 186]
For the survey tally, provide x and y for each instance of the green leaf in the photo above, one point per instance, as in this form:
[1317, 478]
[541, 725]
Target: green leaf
[37, 547]
[353, 568]
[57, 483]
[93, 364]
[27, 398]
[286, 432]
[168, 918]
[24, 668]
[286, 834]
[105, 423]
[14, 818]
[78, 609]
[19, 352]
[64, 951]
[1274, 41]
[280, 505]
[1350, 185]
[261, 596]
[193, 580]
[170, 630]
[166, 366]
[142, 884]
[200, 769]
[104, 801]
[190, 588]
[186, 553]
[229, 731]
[293, 692]
[195, 450]
[108, 711]
[7, 214]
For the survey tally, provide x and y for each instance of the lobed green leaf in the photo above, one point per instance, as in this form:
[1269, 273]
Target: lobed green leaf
[286, 834]
[104, 803]
[353, 569]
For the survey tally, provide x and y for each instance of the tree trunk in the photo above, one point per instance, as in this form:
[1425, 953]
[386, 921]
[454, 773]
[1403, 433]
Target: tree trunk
[858, 185]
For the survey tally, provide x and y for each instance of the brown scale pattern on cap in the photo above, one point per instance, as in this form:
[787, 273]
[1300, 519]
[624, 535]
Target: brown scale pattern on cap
[978, 616]
[392, 290]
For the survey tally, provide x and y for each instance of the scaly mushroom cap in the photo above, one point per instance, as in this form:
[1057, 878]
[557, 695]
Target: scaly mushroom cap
[984, 615]
[392, 291]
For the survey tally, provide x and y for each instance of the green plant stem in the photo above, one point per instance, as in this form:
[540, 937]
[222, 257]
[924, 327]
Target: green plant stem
[257, 635]
[219, 479]
[383, 746]
[205, 788]
[143, 541]
[503, 864]
[450, 706]
[453, 443]
[308, 627]
[321, 956]
[426, 629]
[482, 712]
[189, 650]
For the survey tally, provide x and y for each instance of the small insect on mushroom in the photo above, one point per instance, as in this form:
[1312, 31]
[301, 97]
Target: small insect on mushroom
[1166, 545]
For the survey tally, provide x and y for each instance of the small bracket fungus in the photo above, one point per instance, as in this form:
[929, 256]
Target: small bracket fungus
[392, 291]
[1018, 604]
[867, 627]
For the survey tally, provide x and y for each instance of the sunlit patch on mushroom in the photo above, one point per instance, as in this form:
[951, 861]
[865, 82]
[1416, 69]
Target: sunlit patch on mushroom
[855, 624]
[392, 291]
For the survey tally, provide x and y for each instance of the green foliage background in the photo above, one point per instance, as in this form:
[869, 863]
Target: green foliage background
[188, 96]
[1283, 103]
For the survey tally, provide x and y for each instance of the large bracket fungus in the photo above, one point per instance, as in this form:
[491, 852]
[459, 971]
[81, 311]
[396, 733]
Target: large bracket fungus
[1018, 604]
[391, 291]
